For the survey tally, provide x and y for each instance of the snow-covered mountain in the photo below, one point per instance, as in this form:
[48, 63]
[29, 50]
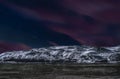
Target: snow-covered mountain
[64, 54]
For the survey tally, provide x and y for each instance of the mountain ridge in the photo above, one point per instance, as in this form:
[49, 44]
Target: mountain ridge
[64, 54]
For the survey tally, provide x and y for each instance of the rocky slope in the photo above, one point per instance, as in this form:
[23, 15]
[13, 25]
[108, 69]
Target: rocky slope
[64, 54]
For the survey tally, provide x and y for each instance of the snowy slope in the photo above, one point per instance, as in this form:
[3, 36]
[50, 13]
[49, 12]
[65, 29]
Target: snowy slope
[64, 54]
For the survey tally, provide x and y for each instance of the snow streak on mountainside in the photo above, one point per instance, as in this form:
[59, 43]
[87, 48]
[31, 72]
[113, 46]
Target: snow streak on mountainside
[64, 54]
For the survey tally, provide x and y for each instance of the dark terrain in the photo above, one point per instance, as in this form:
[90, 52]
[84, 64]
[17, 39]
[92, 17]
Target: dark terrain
[59, 71]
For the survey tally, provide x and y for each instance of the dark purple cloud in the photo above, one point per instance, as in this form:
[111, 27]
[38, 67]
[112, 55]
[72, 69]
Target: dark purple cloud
[5, 46]
[94, 22]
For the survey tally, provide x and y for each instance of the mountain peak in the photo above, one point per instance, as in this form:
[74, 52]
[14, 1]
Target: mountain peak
[64, 54]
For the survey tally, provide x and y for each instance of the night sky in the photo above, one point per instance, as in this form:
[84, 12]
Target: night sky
[28, 24]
